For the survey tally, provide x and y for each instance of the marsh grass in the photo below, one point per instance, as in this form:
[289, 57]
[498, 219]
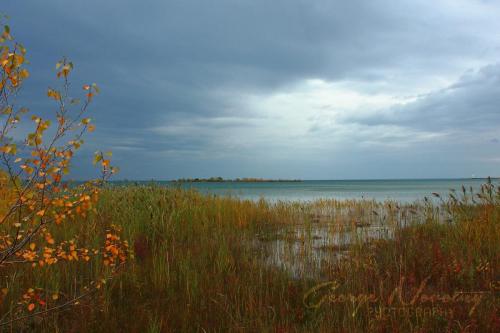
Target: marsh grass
[202, 265]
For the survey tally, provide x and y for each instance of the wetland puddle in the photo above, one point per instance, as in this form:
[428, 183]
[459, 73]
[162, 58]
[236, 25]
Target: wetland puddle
[308, 249]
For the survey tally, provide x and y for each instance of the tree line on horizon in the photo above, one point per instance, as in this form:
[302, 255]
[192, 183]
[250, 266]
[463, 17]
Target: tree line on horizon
[236, 180]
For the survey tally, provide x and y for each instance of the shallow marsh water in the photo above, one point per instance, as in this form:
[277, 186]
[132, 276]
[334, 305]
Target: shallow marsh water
[307, 248]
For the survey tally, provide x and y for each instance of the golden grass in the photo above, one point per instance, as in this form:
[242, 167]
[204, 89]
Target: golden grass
[201, 265]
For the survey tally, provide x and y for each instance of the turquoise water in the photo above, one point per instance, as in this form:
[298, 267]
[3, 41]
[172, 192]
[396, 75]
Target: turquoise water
[400, 190]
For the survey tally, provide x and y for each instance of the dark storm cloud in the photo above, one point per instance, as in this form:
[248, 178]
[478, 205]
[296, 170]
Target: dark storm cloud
[172, 72]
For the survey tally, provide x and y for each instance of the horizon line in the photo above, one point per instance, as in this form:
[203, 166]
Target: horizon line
[299, 179]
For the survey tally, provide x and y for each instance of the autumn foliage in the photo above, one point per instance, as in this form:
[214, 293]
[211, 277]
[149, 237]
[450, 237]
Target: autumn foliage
[208, 263]
[35, 199]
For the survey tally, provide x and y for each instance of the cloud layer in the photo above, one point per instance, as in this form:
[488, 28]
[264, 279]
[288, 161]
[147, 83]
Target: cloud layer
[301, 89]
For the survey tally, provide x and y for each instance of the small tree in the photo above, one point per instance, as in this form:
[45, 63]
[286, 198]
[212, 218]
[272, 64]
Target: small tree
[34, 198]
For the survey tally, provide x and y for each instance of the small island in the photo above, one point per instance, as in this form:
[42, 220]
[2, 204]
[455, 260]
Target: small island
[236, 180]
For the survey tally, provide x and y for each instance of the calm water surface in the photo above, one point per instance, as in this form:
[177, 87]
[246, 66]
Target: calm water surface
[400, 190]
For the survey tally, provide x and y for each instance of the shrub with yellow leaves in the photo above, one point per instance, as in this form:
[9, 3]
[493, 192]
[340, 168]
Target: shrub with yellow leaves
[34, 198]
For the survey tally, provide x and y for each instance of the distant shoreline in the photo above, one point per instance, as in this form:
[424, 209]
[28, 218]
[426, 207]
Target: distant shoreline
[236, 180]
[250, 180]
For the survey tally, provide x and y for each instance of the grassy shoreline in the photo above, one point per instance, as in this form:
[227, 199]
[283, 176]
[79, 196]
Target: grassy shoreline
[202, 264]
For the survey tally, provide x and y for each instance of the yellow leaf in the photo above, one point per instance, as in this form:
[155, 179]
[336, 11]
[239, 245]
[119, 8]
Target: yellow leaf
[9, 149]
[97, 157]
[19, 59]
[32, 246]
[24, 73]
[54, 94]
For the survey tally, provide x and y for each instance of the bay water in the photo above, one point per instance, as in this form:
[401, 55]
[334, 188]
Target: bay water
[402, 190]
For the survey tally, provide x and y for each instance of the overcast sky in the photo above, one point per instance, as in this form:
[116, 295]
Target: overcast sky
[310, 89]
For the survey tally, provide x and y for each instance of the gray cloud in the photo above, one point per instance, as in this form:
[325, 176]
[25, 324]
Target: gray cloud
[472, 103]
[185, 82]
